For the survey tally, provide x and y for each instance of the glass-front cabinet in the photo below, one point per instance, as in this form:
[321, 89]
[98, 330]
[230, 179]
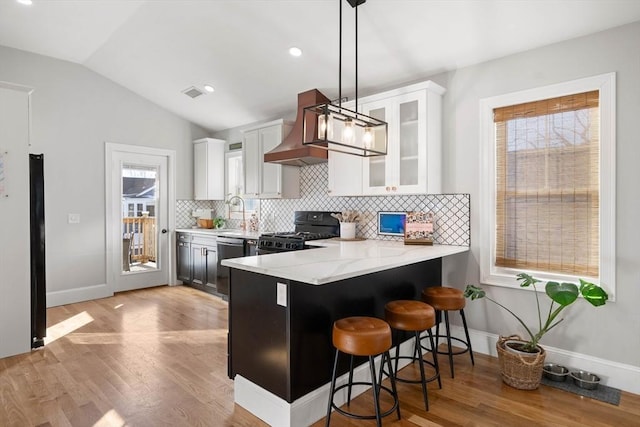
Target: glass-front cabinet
[414, 155]
[413, 161]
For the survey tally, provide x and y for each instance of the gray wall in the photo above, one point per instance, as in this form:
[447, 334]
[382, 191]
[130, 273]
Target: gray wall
[610, 332]
[74, 112]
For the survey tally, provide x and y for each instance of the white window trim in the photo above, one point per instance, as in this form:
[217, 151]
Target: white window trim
[499, 276]
[228, 212]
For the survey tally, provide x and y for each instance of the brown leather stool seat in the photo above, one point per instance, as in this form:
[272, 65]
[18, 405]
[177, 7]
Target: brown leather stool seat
[363, 336]
[414, 316]
[444, 300]
[441, 298]
[409, 315]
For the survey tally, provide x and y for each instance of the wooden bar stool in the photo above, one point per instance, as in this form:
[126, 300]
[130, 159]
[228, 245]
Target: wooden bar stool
[414, 316]
[363, 336]
[443, 300]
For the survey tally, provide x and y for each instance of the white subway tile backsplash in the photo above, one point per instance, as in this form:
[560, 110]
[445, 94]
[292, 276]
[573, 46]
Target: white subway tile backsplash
[451, 211]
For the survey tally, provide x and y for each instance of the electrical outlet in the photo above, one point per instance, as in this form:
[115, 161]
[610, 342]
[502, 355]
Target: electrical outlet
[73, 218]
[281, 297]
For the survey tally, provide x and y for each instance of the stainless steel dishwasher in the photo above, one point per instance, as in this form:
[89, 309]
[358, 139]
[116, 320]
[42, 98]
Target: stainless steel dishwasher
[228, 247]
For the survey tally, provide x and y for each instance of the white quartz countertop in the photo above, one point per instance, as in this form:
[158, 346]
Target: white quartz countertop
[225, 232]
[338, 260]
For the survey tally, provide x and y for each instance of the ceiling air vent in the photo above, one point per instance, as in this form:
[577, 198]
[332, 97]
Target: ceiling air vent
[193, 92]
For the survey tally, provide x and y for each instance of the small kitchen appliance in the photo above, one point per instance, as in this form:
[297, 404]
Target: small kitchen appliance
[309, 225]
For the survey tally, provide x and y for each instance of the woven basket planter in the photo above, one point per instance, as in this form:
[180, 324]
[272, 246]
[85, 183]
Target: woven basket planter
[520, 370]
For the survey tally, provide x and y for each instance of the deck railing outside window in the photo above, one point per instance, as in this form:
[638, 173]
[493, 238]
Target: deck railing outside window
[141, 230]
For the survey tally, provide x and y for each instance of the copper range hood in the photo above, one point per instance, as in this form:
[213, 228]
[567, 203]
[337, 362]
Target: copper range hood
[291, 151]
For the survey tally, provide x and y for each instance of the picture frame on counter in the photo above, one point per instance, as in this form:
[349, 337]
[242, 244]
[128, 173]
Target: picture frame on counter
[418, 228]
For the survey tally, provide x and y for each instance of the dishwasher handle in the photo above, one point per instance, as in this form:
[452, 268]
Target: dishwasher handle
[230, 241]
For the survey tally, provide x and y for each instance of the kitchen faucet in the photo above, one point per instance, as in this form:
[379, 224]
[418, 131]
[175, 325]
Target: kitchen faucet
[243, 224]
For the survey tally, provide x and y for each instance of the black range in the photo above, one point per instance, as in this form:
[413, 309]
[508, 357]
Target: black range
[309, 225]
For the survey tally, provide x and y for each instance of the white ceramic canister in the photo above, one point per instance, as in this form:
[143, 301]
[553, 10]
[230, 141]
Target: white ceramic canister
[347, 230]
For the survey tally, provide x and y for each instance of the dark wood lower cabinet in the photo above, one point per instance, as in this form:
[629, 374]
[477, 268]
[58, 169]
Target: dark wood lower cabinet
[197, 261]
[287, 350]
[204, 262]
[183, 255]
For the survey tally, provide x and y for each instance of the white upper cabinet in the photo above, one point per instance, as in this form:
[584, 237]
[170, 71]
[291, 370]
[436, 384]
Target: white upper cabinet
[345, 174]
[208, 169]
[268, 180]
[413, 164]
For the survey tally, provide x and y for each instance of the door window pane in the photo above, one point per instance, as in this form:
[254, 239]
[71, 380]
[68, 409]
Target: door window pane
[139, 237]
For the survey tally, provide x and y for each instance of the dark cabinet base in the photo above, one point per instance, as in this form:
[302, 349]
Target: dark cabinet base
[197, 262]
[208, 289]
[288, 350]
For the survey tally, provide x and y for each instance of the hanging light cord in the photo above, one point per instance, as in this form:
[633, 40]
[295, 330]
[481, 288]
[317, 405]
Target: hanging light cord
[340, 60]
[355, 107]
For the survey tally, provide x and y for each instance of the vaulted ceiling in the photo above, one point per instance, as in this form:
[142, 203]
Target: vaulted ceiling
[158, 48]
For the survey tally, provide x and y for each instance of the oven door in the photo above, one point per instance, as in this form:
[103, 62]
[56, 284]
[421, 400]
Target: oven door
[265, 251]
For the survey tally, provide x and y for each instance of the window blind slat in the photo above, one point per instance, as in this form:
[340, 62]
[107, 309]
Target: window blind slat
[547, 185]
[548, 106]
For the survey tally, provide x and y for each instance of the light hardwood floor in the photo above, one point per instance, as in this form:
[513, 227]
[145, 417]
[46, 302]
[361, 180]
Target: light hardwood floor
[157, 357]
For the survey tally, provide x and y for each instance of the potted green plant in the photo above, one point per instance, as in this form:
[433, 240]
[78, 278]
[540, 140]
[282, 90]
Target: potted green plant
[219, 222]
[562, 295]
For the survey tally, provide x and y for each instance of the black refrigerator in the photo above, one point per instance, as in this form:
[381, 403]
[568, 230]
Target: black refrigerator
[38, 276]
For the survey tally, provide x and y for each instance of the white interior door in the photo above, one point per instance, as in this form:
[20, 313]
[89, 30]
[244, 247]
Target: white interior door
[138, 217]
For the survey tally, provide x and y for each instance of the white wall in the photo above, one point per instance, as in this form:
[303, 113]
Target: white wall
[610, 332]
[74, 112]
[15, 319]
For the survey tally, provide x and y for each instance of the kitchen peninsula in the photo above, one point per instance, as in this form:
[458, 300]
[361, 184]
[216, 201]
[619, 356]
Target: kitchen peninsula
[282, 307]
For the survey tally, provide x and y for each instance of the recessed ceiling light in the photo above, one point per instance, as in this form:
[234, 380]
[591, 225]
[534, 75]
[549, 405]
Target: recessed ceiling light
[209, 88]
[295, 51]
[27, 2]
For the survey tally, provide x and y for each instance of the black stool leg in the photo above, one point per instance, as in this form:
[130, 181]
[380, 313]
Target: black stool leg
[397, 352]
[434, 352]
[374, 388]
[422, 377]
[446, 324]
[466, 333]
[331, 390]
[438, 319]
[350, 380]
[392, 379]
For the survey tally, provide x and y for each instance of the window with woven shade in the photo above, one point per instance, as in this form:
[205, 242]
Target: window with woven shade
[547, 185]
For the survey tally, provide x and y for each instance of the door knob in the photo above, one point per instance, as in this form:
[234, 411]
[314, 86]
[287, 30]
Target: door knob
[164, 231]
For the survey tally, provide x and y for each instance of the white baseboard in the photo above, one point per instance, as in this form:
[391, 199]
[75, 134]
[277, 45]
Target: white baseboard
[70, 296]
[613, 374]
[309, 408]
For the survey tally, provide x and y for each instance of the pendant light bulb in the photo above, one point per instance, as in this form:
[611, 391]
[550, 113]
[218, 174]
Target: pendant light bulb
[325, 126]
[368, 138]
[348, 132]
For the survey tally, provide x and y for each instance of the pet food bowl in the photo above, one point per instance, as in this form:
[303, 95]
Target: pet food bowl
[585, 380]
[555, 372]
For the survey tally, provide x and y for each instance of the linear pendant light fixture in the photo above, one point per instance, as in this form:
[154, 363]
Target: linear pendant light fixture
[340, 129]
